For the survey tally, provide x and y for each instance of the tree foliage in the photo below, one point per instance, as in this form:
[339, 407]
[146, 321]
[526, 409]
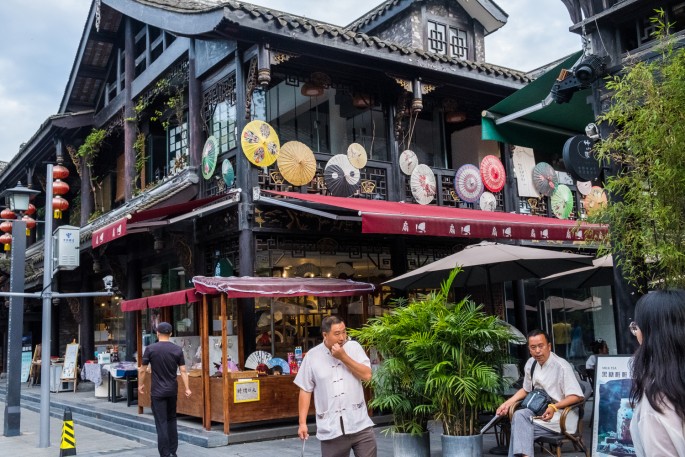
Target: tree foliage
[646, 213]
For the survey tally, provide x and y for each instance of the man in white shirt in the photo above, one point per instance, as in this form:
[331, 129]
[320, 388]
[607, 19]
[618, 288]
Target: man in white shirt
[553, 374]
[334, 371]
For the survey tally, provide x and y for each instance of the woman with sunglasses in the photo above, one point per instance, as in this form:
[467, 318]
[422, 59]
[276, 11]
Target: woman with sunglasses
[658, 368]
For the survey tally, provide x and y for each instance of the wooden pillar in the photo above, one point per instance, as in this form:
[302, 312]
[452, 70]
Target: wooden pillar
[194, 109]
[224, 366]
[129, 126]
[134, 288]
[204, 344]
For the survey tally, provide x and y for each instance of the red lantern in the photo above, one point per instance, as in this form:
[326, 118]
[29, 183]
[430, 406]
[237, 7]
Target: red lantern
[60, 187]
[31, 210]
[58, 205]
[60, 172]
[30, 224]
[6, 240]
[7, 214]
[6, 226]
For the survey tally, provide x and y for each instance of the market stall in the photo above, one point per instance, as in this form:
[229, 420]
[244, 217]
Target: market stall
[295, 306]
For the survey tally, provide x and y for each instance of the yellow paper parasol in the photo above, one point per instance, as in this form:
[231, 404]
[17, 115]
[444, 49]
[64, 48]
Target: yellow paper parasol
[357, 155]
[260, 143]
[595, 200]
[297, 163]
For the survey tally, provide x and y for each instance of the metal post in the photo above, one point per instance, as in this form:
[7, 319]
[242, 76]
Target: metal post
[44, 440]
[15, 331]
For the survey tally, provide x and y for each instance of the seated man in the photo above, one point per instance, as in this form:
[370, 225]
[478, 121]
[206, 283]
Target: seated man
[554, 375]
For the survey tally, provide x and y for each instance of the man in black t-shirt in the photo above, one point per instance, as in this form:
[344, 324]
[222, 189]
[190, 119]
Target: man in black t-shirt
[165, 358]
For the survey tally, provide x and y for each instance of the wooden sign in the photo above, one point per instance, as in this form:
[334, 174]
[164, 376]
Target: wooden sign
[246, 390]
[69, 368]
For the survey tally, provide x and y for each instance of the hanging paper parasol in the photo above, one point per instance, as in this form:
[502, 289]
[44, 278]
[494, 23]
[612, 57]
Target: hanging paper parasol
[562, 201]
[595, 200]
[422, 184]
[468, 184]
[297, 163]
[408, 161]
[260, 143]
[210, 152]
[544, 178]
[227, 172]
[488, 202]
[341, 178]
[357, 155]
[492, 172]
[584, 187]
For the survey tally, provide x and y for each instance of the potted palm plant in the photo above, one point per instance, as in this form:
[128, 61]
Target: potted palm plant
[397, 387]
[453, 352]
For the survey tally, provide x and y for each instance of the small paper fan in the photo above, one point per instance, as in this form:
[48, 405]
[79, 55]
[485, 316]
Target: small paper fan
[256, 358]
[280, 362]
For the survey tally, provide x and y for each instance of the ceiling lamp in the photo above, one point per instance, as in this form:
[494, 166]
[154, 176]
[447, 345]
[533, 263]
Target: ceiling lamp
[455, 117]
[318, 82]
[362, 100]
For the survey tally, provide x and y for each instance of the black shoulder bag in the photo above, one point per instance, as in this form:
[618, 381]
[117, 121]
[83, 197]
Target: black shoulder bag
[537, 400]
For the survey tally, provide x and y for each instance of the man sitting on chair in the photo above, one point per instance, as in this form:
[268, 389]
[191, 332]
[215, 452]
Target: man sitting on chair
[554, 375]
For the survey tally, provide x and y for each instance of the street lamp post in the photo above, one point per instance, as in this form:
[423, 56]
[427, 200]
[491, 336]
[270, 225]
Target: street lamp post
[17, 200]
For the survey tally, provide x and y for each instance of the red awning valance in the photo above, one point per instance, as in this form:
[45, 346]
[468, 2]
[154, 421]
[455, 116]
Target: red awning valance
[246, 286]
[179, 297]
[137, 304]
[379, 216]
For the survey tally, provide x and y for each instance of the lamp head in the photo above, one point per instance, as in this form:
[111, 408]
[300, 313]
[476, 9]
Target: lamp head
[108, 282]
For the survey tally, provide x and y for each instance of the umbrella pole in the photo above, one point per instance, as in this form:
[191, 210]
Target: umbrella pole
[273, 340]
[490, 292]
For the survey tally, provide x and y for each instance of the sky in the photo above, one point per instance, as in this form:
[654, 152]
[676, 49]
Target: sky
[39, 40]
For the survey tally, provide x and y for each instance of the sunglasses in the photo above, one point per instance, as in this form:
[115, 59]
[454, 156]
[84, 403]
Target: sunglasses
[633, 328]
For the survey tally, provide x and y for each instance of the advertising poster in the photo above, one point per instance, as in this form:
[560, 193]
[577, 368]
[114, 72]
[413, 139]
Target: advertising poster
[612, 409]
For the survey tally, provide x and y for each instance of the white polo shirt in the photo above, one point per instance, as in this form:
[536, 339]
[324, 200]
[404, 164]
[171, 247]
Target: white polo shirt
[557, 378]
[337, 392]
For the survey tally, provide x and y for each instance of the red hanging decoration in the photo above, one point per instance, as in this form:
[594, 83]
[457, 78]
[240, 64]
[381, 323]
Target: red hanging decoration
[31, 210]
[59, 205]
[6, 240]
[7, 214]
[59, 187]
[60, 172]
[30, 224]
[6, 226]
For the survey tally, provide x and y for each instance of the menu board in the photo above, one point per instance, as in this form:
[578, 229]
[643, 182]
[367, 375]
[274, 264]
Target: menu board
[69, 368]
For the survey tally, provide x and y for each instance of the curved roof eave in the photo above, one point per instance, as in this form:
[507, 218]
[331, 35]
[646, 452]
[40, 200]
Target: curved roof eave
[173, 16]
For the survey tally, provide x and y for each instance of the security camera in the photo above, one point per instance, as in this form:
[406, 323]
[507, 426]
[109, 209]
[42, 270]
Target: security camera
[109, 282]
[592, 131]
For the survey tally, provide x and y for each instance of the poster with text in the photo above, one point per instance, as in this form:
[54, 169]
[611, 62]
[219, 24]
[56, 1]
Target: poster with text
[524, 162]
[612, 408]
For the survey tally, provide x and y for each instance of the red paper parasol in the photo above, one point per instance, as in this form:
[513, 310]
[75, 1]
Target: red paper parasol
[341, 178]
[468, 184]
[544, 178]
[595, 200]
[492, 172]
[408, 161]
[422, 184]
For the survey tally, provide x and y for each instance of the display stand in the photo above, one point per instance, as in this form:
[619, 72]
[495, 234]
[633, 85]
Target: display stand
[34, 371]
[69, 372]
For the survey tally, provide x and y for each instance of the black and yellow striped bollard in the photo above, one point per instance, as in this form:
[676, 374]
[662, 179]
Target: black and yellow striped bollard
[68, 444]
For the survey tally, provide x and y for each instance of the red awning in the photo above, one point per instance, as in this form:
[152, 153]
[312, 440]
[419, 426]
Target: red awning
[137, 304]
[247, 286]
[119, 228]
[179, 297]
[379, 216]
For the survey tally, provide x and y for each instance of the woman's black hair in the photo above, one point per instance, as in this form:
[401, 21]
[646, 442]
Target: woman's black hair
[659, 363]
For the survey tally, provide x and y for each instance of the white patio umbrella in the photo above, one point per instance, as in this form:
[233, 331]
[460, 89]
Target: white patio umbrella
[488, 263]
[601, 273]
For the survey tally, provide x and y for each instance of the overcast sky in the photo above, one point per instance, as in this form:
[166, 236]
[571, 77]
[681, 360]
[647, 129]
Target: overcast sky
[39, 39]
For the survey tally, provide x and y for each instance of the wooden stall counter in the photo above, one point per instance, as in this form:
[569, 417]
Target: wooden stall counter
[251, 399]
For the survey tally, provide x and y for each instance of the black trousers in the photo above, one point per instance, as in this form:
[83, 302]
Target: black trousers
[164, 411]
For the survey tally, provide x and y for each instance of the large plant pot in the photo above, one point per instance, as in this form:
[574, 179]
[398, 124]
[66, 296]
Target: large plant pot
[408, 445]
[462, 446]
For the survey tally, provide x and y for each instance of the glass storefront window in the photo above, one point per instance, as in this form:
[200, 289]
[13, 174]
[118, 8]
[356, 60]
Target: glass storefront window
[108, 319]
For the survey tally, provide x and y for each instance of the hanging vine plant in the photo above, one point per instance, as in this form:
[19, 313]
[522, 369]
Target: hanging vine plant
[89, 151]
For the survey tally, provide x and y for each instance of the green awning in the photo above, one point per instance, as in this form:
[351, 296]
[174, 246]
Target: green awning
[548, 128]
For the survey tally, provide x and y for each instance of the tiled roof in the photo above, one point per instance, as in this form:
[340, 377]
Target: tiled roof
[241, 13]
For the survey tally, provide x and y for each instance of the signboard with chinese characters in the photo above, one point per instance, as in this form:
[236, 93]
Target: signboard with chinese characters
[613, 410]
[110, 232]
[245, 390]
